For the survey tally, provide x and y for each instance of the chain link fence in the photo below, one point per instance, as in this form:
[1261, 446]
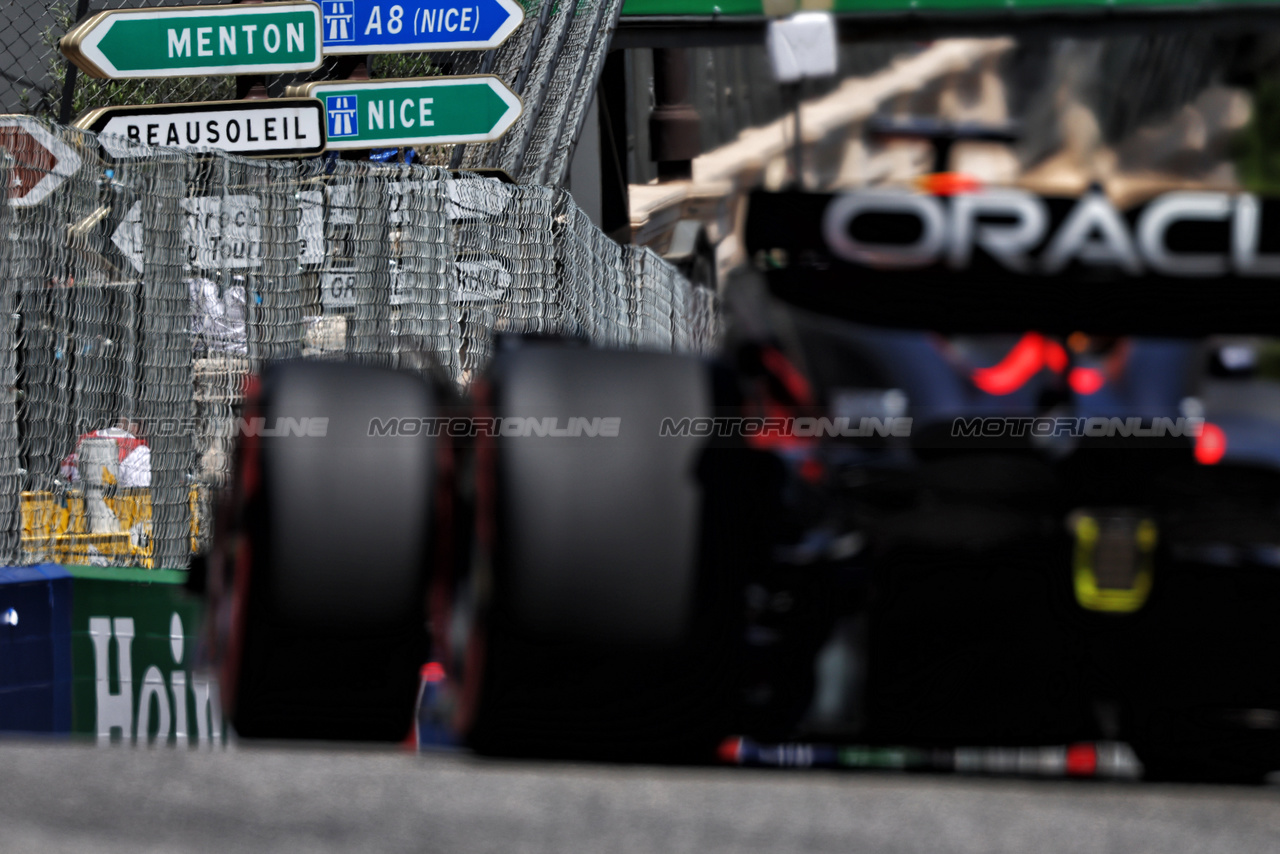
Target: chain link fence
[138, 293]
[10, 451]
[552, 61]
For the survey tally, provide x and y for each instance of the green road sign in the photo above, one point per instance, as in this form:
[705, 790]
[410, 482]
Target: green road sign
[194, 41]
[419, 111]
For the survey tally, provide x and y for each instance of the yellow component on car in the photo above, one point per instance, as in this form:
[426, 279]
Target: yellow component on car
[1114, 561]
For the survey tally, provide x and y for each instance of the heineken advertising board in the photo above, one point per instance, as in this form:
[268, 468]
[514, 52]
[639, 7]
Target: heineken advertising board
[104, 652]
[134, 634]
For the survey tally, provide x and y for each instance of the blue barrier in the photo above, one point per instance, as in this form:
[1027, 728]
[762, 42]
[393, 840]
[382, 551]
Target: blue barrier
[35, 649]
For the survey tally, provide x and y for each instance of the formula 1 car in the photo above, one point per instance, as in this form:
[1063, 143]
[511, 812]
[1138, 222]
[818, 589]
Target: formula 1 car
[952, 481]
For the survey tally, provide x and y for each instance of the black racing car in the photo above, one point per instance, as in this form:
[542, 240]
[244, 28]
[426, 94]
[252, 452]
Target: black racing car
[953, 480]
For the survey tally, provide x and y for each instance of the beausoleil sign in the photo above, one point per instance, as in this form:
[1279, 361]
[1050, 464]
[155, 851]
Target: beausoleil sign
[270, 127]
[193, 41]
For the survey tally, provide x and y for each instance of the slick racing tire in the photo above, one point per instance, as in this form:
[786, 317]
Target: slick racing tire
[1199, 672]
[329, 535]
[591, 617]
[1204, 696]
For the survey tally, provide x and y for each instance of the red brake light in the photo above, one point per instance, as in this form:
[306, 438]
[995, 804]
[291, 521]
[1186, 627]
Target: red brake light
[1211, 444]
[948, 183]
[1012, 372]
[1085, 380]
[1055, 357]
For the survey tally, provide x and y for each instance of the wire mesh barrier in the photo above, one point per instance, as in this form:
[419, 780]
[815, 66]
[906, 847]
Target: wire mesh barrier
[10, 521]
[41, 82]
[138, 291]
[552, 61]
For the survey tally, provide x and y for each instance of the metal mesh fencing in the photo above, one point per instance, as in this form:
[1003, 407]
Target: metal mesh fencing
[573, 106]
[546, 160]
[138, 292]
[103, 344]
[425, 319]
[26, 57]
[659, 299]
[513, 62]
[509, 152]
[10, 521]
[504, 242]
[552, 61]
[595, 281]
[54, 90]
[164, 359]
[704, 320]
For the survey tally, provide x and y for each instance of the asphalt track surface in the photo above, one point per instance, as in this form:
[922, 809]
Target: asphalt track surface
[66, 797]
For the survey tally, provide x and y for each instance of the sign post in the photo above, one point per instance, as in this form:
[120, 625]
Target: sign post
[279, 127]
[194, 41]
[415, 111]
[392, 26]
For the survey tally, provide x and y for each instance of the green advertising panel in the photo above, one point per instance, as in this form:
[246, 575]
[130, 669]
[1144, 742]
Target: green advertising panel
[133, 642]
[731, 8]
[693, 7]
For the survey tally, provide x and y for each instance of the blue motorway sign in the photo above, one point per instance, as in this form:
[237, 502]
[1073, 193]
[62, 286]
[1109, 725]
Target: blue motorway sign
[391, 26]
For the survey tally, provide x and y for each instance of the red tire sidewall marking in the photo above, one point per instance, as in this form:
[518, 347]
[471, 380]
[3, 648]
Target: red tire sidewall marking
[247, 488]
[473, 656]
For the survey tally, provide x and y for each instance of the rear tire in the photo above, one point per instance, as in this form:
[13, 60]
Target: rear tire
[330, 537]
[593, 616]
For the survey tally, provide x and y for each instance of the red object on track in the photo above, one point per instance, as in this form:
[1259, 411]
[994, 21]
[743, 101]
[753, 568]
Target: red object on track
[1082, 760]
[730, 750]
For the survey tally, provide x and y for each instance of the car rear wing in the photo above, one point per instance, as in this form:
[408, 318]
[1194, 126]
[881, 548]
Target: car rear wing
[1007, 260]
[711, 23]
